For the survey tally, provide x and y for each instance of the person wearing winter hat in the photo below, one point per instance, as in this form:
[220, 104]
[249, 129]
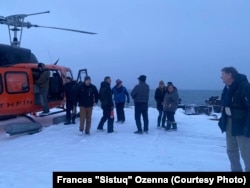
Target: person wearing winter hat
[170, 105]
[140, 95]
[121, 96]
[87, 96]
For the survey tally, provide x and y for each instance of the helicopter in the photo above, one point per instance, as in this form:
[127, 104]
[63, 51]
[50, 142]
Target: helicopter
[19, 95]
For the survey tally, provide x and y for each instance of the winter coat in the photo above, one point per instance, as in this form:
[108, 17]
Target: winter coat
[105, 95]
[159, 97]
[171, 101]
[87, 95]
[237, 98]
[70, 91]
[120, 94]
[140, 93]
[43, 80]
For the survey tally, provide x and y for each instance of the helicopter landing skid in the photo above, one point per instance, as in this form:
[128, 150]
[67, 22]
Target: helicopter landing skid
[22, 128]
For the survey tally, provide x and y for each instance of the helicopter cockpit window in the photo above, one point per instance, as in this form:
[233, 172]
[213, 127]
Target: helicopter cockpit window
[17, 82]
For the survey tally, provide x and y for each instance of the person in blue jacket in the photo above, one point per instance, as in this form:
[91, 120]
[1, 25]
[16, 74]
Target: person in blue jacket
[121, 96]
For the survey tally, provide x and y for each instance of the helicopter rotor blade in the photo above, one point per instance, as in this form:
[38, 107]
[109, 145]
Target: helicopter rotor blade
[79, 31]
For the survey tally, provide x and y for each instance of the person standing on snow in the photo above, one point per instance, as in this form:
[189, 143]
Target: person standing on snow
[107, 105]
[87, 95]
[70, 93]
[159, 98]
[121, 96]
[235, 117]
[140, 95]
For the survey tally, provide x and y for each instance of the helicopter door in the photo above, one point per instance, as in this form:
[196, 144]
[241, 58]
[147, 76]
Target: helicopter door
[81, 74]
[55, 86]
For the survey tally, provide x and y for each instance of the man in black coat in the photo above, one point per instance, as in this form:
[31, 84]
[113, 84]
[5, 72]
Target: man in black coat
[235, 118]
[70, 93]
[87, 96]
[107, 104]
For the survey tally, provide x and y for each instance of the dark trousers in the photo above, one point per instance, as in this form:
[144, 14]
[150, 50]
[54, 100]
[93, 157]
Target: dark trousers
[120, 111]
[170, 116]
[171, 120]
[106, 110]
[70, 111]
[44, 99]
[141, 109]
[161, 120]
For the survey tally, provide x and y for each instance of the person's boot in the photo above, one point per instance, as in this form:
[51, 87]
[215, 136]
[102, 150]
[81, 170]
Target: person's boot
[174, 126]
[73, 119]
[67, 122]
[158, 122]
[168, 126]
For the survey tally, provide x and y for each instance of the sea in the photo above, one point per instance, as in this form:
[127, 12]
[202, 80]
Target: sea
[188, 97]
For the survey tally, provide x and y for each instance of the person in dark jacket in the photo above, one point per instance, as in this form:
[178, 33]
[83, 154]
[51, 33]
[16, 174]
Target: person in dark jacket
[121, 96]
[43, 84]
[235, 117]
[87, 95]
[107, 105]
[159, 98]
[70, 93]
[170, 105]
[140, 95]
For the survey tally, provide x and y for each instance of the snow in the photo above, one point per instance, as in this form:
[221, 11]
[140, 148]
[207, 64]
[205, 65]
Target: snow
[197, 146]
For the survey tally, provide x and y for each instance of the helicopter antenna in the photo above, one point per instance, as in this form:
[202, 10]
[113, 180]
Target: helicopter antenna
[56, 61]
[17, 23]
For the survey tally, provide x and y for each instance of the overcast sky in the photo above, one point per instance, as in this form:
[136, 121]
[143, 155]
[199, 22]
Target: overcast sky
[183, 41]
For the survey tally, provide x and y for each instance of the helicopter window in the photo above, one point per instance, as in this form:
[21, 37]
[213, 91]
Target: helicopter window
[17, 82]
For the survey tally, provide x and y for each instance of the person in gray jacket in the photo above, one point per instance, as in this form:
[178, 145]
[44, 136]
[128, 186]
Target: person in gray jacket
[140, 95]
[170, 105]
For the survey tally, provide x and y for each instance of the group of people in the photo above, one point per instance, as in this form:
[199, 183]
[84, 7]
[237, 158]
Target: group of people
[87, 96]
[234, 120]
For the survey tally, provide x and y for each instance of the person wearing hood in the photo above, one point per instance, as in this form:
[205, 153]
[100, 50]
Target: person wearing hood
[107, 105]
[140, 95]
[235, 117]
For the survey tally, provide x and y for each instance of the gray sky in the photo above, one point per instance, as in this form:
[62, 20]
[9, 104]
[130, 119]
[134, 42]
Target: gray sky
[183, 41]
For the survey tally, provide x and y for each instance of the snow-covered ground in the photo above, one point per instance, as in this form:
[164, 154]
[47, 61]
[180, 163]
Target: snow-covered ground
[197, 145]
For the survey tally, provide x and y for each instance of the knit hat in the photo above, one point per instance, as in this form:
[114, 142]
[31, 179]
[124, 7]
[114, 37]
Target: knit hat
[142, 78]
[170, 84]
[161, 83]
[41, 65]
[118, 81]
[87, 78]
